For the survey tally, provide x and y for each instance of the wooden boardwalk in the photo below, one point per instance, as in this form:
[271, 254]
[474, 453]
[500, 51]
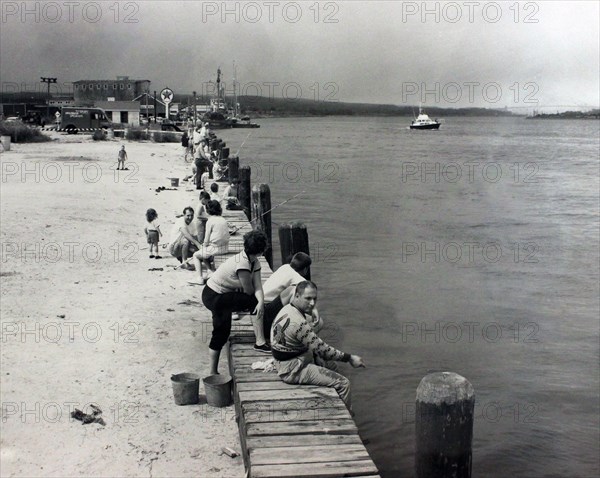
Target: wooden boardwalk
[288, 431]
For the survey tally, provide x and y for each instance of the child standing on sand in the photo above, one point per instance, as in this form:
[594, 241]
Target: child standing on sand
[153, 232]
[121, 158]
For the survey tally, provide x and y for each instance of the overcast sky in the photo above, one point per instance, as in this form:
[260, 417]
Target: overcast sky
[489, 54]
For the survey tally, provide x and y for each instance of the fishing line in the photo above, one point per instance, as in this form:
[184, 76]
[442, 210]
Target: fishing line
[238, 151]
[236, 229]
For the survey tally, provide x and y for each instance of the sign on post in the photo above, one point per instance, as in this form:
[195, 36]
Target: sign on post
[167, 96]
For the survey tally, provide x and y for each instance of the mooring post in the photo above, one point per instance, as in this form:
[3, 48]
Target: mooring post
[261, 216]
[293, 238]
[233, 163]
[444, 426]
[244, 190]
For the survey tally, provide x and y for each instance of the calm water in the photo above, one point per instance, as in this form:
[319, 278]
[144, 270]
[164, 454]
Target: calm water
[473, 249]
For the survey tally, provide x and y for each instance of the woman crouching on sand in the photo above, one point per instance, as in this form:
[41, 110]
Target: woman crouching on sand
[222, 295]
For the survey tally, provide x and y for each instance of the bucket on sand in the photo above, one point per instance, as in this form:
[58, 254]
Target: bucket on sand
[174, 182]
[218, 390]
[5, 140]
[185, 388]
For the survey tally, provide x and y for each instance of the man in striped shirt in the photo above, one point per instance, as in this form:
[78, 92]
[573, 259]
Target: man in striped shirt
[293, 343]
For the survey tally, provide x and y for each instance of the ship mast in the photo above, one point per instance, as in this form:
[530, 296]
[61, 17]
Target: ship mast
[235, 104]
[219, 83]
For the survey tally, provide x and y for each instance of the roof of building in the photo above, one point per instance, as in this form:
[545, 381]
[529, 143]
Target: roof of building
[110, 81]
[118, 105]
[158, 100]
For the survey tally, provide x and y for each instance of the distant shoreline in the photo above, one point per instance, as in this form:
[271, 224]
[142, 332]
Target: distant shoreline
[570, 115]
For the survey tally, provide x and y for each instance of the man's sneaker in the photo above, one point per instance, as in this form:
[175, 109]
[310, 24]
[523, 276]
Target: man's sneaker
[264, 348]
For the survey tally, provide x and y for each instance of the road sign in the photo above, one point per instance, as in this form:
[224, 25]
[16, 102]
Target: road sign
[166, 95]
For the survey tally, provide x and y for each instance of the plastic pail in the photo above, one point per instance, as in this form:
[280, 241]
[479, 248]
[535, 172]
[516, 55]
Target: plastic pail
[185, 388]
[174, 182]
[218, 390]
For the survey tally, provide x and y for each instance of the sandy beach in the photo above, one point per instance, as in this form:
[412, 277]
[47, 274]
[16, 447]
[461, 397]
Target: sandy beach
[85, 320]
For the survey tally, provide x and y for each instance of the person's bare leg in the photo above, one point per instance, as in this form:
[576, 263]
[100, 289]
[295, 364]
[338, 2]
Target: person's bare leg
[213, 356]
[198, 264]
[257, 325]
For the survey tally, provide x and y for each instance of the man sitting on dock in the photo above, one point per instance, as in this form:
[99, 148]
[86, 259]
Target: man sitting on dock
[279, 289]
[293, 343]
[184, 241]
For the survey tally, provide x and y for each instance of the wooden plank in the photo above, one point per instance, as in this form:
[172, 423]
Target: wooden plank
[255, 376]
[272, 385]
[303, 404]
[241, 368]
[241, 338]
[269, 415]
[314, 470]
[237, 347]
[250, 359]
[258, 442]
[250, 352]
[291, 394]
[308, 454]
[302, 427]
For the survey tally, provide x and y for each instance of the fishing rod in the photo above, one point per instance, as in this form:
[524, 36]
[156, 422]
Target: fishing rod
[236, 229]
[238, 151]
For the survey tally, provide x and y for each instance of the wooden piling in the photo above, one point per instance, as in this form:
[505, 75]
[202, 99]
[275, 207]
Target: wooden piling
[293, 238]
[244, 190]
[233, 163]
[261, 216]
[444, 426]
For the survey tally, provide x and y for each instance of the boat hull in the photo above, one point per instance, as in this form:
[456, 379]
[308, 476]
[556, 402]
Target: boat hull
[425, 126]
[245, 125]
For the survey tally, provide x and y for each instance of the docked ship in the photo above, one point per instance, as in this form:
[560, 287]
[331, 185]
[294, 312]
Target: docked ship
[220, 116]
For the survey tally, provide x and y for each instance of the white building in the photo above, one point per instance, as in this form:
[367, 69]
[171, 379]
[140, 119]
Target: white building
[124, 112]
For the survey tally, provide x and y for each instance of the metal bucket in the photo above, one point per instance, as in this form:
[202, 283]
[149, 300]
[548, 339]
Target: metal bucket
[218, 390]
[174, 182]
[5, 140]
[185, 388]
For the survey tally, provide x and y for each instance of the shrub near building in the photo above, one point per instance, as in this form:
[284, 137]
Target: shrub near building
[21, 133]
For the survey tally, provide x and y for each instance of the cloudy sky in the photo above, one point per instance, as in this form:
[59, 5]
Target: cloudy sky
[489, 54]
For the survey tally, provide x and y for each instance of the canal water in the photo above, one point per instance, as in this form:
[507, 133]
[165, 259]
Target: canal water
[472, 249]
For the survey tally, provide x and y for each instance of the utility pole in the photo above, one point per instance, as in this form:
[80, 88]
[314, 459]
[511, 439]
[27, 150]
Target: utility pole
[147, 114]
[48, 81]
[155, 110]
